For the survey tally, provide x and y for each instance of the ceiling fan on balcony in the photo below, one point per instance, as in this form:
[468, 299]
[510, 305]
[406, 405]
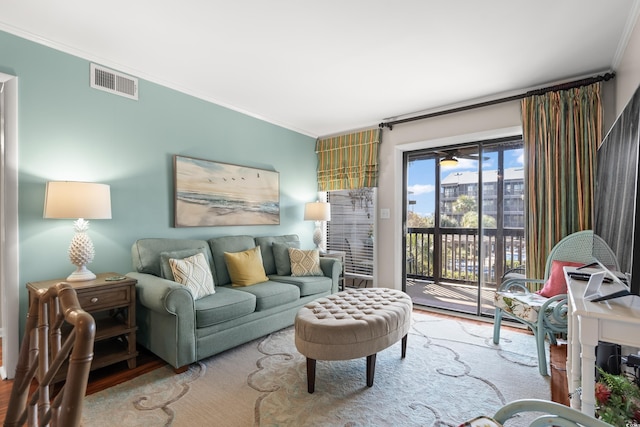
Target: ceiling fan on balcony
[450, 158]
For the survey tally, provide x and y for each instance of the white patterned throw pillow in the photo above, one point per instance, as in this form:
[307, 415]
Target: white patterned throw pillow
[305, 263]
[193, 272]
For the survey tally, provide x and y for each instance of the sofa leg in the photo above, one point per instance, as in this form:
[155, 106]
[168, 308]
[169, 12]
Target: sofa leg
[181, 369]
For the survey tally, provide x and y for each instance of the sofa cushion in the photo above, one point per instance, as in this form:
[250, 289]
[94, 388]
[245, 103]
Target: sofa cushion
[220, 245]
[165, 267]
[226, 304]
[305, 263]
[272, 294]
[245, 268]
[308, 285]
[269, 257]
[281, 257]
[193, 272]
[146, 253]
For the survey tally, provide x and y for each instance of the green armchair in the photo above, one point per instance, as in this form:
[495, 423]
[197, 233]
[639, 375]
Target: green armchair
[546, 414]
[547, 317]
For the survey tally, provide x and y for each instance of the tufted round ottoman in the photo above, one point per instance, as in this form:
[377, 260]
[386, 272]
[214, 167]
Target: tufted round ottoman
[351, 324]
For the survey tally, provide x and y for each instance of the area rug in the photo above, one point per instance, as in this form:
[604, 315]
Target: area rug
[452, 372]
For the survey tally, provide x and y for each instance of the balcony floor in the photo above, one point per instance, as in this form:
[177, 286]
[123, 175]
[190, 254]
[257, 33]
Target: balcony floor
[446, 296]
[450, 296]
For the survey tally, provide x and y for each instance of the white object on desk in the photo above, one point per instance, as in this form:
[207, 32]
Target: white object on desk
[592, 290]
[616, 321]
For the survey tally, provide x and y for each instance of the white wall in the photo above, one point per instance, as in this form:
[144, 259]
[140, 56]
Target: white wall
[628, 72]
[473, 125]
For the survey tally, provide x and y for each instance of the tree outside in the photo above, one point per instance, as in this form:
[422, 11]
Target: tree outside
[466, 207]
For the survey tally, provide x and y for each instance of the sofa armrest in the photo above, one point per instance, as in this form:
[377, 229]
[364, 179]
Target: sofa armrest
[162, 295]
[332, 267]
[166, 319]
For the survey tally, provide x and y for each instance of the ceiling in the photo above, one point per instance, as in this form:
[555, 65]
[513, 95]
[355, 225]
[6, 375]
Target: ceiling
[331, 66]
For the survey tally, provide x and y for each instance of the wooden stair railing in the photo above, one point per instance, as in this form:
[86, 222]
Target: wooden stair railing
[34, 400]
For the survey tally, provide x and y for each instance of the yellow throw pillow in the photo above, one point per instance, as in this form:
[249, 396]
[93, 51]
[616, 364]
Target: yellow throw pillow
[305, 263]
[193, 272]
[245, 268]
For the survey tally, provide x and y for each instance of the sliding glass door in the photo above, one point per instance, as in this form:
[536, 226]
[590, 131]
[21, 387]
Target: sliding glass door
[464, 223]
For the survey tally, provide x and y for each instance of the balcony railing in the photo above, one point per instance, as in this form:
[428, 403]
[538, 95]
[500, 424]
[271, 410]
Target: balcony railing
[454, 254]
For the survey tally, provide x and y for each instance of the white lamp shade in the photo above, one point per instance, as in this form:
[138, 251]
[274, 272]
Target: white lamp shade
[69, 199]
[317, 211]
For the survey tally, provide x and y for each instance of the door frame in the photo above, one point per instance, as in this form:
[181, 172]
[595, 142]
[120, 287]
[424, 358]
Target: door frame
[399, 205]
[9, 252]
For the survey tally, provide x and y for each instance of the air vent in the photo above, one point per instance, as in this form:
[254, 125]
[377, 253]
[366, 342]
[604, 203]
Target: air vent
[114, 82]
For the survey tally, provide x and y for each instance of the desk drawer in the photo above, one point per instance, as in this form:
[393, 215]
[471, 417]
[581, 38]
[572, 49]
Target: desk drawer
[110, 298]
[618, 332]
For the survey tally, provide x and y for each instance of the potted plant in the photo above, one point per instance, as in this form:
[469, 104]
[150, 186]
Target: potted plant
[617, 399]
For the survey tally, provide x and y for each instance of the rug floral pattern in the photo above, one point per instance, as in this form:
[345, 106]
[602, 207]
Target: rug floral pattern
[452, 373]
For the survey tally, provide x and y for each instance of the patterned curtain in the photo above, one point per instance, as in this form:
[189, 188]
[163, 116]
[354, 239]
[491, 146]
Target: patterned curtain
[349, 161]
[562, 131]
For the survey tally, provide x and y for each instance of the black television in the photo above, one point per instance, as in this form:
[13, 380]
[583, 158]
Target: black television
[616, 210]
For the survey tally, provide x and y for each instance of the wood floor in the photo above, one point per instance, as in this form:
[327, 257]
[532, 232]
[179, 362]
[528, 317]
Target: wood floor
[98, 380]
[559, 386]
[146, 362]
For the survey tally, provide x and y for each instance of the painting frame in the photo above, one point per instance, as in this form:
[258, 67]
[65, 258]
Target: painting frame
[208, 193]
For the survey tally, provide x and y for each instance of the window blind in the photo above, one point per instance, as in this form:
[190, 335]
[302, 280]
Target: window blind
[351, 230]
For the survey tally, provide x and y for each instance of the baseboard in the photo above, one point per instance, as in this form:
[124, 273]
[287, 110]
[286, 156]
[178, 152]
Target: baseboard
[450, 313]
[3, 371]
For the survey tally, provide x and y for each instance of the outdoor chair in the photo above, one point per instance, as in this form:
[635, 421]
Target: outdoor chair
[358, 270]
[43, 358]
[516, 272]
[546, 414]
[546, 313]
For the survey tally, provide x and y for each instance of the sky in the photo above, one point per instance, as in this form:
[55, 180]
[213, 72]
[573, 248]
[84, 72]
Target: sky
[421, 176]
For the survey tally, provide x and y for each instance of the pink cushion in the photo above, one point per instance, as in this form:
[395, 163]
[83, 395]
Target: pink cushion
[555, 284]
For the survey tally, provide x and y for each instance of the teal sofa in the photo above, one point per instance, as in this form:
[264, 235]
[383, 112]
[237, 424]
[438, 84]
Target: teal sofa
[181, 330]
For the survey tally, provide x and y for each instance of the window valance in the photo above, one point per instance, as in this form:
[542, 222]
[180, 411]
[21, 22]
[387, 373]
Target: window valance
[348, 161]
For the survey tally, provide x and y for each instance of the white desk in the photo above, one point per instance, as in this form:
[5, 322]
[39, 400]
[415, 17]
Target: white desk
[616, 321]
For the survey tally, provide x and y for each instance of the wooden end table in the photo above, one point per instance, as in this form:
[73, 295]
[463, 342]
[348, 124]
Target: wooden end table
[112, 303]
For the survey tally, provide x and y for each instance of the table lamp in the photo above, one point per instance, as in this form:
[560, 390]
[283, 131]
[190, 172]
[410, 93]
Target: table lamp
[318, 212]
[81, 200]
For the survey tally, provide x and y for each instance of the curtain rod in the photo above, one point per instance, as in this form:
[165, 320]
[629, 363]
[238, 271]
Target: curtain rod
[562, 86]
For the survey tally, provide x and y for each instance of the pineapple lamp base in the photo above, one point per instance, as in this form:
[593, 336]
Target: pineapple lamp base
[81, 252]
[81, 274]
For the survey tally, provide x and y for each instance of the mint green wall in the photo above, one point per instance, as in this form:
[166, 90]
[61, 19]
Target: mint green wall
[69, 131]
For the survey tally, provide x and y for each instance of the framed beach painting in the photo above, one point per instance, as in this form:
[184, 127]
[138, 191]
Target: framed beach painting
[210, 193]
